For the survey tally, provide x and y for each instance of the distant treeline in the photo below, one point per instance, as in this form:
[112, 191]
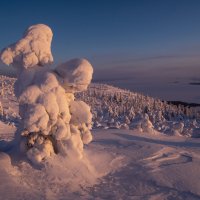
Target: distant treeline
[185, 104]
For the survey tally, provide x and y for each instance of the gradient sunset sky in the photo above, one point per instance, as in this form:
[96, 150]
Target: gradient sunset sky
[150, 46]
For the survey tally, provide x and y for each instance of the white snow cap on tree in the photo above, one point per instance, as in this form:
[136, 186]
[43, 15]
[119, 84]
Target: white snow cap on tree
[76, 74]
[33, 49]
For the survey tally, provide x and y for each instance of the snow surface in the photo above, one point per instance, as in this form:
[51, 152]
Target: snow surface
[118, 164]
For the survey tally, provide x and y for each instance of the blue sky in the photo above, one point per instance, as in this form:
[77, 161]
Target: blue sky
[125, 39]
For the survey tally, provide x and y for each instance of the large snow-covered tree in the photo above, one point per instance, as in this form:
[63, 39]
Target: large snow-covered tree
[52, 120]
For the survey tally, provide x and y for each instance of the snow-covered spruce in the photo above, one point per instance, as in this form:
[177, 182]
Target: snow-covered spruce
[52, 120]
[122, 109]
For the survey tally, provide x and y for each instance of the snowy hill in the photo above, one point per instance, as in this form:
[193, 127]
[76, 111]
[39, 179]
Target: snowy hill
[120, 109]
[116, 108]
[135, 163]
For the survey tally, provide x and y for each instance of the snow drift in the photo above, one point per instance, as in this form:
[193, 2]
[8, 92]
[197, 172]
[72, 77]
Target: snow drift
[52, 120]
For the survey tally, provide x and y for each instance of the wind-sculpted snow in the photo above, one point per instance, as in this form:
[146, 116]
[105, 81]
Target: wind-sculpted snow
[52, 121]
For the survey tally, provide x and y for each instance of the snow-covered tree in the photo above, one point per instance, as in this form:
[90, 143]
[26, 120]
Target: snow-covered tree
[1, 109]
[52, 120]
